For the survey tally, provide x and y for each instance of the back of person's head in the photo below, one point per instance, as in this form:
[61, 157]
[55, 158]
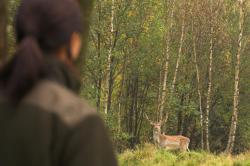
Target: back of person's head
[42, 28]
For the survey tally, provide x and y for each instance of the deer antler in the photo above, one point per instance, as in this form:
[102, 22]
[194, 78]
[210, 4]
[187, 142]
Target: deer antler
[148, 118]
[165, 120]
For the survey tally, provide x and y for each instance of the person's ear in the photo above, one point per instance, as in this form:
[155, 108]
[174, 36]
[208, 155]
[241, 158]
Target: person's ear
[75, 45]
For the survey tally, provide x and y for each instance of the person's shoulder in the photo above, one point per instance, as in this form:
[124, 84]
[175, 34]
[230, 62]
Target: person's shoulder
[55, 98]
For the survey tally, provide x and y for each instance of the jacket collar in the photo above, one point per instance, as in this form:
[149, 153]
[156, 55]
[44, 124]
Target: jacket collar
[57, 71]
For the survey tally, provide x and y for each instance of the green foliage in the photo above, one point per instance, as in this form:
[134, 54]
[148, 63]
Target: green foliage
[138, 57]
[120, 139]
[149, 155]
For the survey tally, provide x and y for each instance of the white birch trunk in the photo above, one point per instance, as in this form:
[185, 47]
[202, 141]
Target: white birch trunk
[234, 121]
[209, 90]
[159, 96]
[108, 69]
[179, 56]
[199, 86]
[166, 65]
[210, 70]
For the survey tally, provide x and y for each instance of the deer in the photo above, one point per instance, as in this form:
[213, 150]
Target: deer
[168, 142]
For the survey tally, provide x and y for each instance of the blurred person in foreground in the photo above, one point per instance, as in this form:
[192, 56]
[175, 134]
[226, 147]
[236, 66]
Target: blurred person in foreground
[42, 120]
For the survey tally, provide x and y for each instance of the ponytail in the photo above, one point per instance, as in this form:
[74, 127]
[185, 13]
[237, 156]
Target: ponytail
[35, 37]
[24, 71]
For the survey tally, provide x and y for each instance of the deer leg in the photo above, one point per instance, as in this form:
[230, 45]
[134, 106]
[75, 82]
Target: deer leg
[188, 148]
[181, 147]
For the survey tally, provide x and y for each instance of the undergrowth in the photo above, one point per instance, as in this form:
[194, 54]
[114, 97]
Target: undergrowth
[149, 155]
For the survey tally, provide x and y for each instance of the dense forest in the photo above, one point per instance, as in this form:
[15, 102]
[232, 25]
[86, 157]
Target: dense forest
[185, 59]
[188, 59]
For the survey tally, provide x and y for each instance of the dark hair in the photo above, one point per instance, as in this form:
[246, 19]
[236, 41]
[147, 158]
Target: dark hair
[42, 27]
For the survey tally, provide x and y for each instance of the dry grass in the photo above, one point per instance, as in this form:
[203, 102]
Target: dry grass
[149, 155]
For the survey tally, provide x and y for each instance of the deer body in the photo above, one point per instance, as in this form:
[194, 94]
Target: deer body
[177, 142]
[169, 142]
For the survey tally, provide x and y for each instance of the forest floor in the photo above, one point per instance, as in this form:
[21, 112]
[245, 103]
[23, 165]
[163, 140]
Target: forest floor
[149, 155]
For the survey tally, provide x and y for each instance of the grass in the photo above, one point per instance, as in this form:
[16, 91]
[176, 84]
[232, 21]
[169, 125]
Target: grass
[149, 155]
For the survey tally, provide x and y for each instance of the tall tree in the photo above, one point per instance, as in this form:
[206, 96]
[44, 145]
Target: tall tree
[234, 121]
[3, 34]
[198, 84]
[86, 7]
[99, 79]
[167, 40]
[210, 71]
[108, 81]
[179, 54]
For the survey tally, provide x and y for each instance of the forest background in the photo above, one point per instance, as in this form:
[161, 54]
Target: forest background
[187, 59]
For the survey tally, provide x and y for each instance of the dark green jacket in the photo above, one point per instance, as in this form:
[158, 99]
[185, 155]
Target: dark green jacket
[53, 127]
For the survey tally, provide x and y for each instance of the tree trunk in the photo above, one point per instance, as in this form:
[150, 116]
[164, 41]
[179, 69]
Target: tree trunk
[86, 7]
[99, 89]
[234, 121]
[3, 34]
[210, 70]
[198, 85]
[107, 91]
[209, 91]
[159, 95]
[136, 109]
[180, 117]
[99, 82]
[121, 96]
[127, 102]
[111, 82]
[142, 98]
[179, 55]
[167, 55]
[133, 115]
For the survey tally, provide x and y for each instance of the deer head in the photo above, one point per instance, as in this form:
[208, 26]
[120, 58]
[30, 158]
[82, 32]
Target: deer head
[157, 125]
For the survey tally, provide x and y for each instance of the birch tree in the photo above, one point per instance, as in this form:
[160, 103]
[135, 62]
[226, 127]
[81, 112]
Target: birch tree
[163, 93]
[210, 70]
[198, 84]
[179, 55]
[234, 121]
[108, 85]
[209, 91]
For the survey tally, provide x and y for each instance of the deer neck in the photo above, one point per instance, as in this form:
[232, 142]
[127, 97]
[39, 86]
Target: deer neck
[156, 136]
